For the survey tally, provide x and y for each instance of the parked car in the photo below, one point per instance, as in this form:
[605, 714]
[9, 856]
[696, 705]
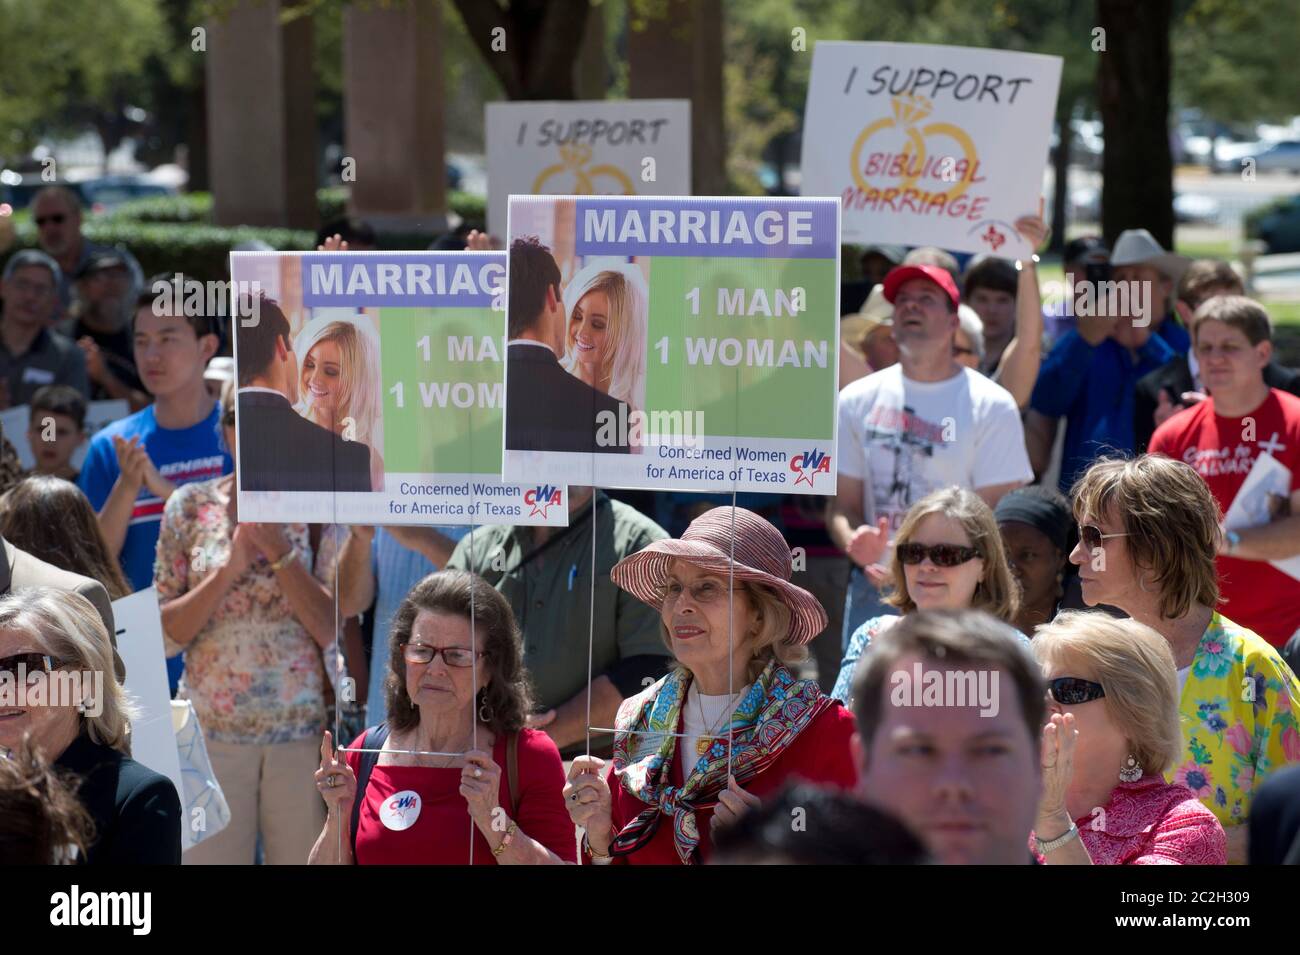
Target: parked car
[1281, 156]
[1278, 227]
[97, 195]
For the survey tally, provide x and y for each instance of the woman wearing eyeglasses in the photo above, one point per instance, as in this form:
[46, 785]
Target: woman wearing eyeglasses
[452, 776]
[1113, 732]
[241, 602]
[1148, 536]
[948, 555]
[731, 725]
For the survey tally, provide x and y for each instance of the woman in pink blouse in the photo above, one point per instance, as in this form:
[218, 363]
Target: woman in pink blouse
[241, 602]
[1114, 730]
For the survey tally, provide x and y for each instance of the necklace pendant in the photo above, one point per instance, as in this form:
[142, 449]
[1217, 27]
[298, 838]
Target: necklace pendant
[703, 746]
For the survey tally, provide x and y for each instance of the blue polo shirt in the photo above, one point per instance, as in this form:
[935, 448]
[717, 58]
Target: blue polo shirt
[1093, 387]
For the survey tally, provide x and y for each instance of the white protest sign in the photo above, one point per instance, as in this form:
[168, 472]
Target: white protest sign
[140, 644]
[1267, 486]
[930, 145]
[99, 414]
[586, 147]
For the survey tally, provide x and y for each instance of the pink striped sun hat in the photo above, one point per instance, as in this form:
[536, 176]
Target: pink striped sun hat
[762, 557]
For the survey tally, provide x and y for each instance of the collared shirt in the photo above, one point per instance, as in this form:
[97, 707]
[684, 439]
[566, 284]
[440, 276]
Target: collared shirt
[52, 359]
[549, 588]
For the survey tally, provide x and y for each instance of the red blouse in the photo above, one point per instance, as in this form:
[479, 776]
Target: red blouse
[818, 755]
[415, 815]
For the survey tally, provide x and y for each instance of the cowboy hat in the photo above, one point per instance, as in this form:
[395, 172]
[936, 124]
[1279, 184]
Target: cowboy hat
[1139, 247]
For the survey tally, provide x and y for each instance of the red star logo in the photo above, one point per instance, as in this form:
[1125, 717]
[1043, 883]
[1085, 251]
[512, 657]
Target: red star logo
[994, 238]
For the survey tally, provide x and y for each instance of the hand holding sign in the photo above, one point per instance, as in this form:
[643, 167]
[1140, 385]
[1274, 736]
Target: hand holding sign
[480, 785]
[335, 780]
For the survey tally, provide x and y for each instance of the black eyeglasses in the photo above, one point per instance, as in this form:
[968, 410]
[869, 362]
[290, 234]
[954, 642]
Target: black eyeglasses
[58, 219]
[943, 555]
[1092, 536]
[458, 657]
[20, 665]
[1071, 690]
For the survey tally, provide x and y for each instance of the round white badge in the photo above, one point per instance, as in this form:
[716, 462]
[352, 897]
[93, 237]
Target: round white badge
[400, 810]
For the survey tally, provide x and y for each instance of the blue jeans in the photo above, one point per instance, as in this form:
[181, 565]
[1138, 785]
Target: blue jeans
[862, 601]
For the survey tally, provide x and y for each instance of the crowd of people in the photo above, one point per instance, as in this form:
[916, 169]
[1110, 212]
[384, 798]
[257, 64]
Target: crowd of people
[1030, 626]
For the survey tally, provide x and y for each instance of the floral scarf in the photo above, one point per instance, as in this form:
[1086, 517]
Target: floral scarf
[773, 710]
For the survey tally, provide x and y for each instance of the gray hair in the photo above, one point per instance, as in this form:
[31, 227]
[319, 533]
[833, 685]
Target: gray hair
[26, 258]
[973, 327]
[66, 625]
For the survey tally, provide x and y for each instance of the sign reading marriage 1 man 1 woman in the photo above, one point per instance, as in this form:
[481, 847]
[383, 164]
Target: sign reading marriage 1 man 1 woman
[371, 391]
[673, 343]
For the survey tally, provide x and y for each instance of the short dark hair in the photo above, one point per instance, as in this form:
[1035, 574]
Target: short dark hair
[994, 274]
[837, 829]
[970, 637]
[201, 324]
[1202, 276]
[350, 229]
[60, 399]
[507, 696]
[257, 339]
[532, 272]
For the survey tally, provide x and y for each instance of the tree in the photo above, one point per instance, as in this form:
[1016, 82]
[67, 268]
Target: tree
[531, 45]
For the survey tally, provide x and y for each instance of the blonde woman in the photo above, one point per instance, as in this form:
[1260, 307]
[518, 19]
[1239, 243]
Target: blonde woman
[339, 386]
[1112, 733]
[605, 337]
[57, 639]
[948, 555]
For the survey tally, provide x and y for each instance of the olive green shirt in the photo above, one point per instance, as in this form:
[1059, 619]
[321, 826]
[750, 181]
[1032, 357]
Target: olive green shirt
[549, 588]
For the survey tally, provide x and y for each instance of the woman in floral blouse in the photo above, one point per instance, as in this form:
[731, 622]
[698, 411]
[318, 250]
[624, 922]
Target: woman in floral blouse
[241, 601]
[1149, 533]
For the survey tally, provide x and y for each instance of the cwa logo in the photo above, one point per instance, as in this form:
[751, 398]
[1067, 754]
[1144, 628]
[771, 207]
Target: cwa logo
[809, 464]
[400, 810]
[540, 498]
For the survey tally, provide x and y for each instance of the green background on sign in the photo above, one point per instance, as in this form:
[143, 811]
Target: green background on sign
[786, 402]
[437, 440]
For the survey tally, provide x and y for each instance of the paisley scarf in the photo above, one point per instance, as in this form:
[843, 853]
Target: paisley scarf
[773, 710]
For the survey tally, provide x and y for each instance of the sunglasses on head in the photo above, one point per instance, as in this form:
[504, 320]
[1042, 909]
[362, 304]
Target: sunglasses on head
[1071, 690]
[1092, 536]
[943, 555]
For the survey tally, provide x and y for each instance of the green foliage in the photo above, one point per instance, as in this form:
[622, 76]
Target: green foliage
[196, 208]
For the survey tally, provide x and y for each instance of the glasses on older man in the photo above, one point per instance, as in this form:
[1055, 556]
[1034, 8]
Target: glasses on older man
[422, 653]
[1073, 690]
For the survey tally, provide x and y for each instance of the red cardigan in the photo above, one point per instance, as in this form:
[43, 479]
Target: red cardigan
[820, 755]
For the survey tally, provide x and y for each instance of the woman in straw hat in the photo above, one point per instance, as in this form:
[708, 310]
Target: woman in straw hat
[731, 723]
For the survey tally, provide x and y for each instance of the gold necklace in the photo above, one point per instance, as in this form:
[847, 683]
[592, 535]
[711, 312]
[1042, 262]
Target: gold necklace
[703, 744]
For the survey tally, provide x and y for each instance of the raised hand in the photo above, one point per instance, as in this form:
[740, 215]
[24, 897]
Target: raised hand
[335, 780]
[868, 544]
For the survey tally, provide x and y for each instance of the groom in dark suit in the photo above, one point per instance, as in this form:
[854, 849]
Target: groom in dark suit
[279, 449]
[547, 409]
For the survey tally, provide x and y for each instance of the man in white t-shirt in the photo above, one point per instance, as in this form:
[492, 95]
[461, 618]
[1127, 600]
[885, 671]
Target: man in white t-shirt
[917, 426]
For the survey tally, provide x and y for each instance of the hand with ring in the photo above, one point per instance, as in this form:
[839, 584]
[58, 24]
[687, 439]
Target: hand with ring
[335, 780]
[589, 802]
[480, 785]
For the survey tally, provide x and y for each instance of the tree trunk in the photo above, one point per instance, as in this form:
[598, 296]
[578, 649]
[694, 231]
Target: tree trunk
[542, 38]
[1133, 92]
[1061, 181]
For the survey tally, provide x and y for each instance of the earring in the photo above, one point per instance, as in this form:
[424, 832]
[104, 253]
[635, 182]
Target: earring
[1132, 771]
[1142, 584]
[485, 713]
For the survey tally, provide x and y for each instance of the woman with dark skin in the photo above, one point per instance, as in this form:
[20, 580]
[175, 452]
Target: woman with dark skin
[1036, 524]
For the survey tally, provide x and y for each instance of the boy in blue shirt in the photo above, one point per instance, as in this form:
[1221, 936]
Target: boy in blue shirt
[133, 465]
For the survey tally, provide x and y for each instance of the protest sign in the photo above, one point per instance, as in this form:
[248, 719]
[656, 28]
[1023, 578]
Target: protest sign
[595, 147]
[99, 414]
[372, 387]
[1262, 498]
[693, 344]
[930, 145]
[140, 644]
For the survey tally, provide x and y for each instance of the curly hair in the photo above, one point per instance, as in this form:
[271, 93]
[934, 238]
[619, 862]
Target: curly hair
[41, 820]
[507, 695]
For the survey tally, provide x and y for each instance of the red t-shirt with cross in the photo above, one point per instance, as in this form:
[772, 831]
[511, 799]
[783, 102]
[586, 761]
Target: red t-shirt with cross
[1255, 594]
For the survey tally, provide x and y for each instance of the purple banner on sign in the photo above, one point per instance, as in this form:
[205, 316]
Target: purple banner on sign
[707, 228]
[410, 280]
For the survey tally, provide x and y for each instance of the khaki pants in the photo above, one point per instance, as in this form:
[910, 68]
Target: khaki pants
[270, 790]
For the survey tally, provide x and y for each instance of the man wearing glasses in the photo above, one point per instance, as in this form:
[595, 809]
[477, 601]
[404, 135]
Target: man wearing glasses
[31, 353]
[56, 211]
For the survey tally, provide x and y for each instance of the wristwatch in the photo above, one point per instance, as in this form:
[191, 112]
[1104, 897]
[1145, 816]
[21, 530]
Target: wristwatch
[1047, 845]
[1234, 541]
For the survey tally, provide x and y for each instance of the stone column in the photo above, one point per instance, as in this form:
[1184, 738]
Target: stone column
[261, 117]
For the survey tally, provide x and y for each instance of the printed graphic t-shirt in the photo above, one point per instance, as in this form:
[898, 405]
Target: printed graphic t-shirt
[904, 438]
[1255, 594]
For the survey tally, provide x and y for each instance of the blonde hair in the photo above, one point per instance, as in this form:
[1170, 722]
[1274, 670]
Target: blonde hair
[67, 625]
[624, 363]
[1135, 667]
[1172, 523]
[996, 592]
[359, 385]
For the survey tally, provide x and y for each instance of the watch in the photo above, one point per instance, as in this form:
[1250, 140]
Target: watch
[1234, 541]
[1047, 845]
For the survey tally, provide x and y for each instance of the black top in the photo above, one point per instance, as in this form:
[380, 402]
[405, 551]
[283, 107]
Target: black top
[118, 351]
[548, 409]
[280, 450]
[1275, 820]
[136, 812]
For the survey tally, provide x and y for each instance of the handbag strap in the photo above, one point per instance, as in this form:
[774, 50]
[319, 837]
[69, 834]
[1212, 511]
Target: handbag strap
[373, 740]
[512, 772]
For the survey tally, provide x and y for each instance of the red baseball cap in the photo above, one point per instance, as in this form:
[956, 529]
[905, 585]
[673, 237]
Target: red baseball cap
[938, 276]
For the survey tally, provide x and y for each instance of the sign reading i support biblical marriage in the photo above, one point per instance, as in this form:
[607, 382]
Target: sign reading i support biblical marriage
[930, 145]
[673, 343]
[371, 389]
[591, 147]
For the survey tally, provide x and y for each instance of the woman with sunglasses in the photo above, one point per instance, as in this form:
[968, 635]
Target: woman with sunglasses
[948, 555]
[1148, 536]
[453, 776]
[241, 602]
[1113, 730]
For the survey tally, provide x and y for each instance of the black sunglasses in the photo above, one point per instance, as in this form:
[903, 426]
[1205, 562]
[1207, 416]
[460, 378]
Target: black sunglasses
[943, 555]
[57, 219]
[1071, 690]
[31, 662]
